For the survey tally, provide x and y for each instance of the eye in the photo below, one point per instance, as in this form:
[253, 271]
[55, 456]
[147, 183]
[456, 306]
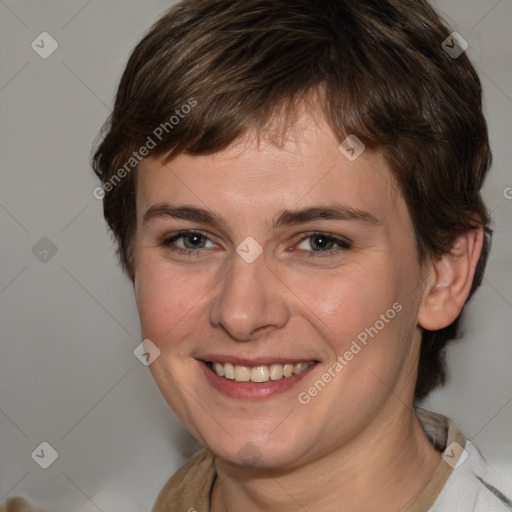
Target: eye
[323, 244]
[320, 244]
[190, 242]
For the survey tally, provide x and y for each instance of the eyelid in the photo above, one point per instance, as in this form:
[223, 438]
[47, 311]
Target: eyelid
[336, 238]
[181, 234]
[343, 244]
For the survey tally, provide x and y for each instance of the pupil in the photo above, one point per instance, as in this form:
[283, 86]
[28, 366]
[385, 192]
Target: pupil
[323, 242]
[196, 238]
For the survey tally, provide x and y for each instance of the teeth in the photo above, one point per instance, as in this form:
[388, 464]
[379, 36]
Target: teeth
[299, 368]
[219, 369]
[276, 371]
[288, 370]
[261, 373]
[229, 370]
[242, 373]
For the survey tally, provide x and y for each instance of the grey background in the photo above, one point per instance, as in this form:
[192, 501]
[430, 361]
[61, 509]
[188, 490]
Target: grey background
[69, 324]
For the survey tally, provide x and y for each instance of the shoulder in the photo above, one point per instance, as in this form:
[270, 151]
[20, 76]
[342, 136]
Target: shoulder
[491, 499]
[190, 486]
[18, 504]
[471, 486]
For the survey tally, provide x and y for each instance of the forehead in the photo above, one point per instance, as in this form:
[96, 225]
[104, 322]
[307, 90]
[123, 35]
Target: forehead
[263, 172]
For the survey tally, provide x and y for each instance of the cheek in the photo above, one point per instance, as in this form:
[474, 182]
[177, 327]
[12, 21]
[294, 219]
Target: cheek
[165, 299]
[344, 303]
[366, 317]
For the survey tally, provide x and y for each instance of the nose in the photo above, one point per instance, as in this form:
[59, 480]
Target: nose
[250, 299]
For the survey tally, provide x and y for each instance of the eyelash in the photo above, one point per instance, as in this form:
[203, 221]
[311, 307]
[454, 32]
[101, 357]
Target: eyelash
[343, 244]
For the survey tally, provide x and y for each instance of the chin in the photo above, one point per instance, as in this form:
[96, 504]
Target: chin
[256, 450]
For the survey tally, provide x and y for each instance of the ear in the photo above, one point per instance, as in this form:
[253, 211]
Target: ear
[449, 282]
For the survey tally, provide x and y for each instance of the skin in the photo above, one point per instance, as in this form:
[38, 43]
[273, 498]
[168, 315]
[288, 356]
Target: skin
[357, 445]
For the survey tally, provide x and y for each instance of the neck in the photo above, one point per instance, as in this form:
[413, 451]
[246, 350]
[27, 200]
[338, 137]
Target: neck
[382, 469]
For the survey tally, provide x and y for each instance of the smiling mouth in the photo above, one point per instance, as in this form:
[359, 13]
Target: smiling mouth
[262, 373]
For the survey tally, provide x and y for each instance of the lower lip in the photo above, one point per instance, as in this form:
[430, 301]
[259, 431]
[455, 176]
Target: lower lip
[253, 390]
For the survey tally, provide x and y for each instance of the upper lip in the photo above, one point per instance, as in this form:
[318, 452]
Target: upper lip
[256, 361]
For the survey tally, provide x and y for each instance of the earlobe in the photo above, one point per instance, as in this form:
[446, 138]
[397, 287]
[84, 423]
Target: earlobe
[450, 281]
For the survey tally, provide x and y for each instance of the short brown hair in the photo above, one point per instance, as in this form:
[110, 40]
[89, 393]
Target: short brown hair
[381, 73]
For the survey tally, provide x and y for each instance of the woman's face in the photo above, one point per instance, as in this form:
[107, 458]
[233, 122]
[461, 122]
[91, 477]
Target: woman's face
[297, 255]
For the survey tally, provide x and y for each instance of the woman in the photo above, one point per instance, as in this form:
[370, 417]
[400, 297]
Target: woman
[295, 190]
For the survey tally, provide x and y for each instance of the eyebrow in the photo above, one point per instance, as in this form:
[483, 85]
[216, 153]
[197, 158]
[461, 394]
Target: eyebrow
[286, 218]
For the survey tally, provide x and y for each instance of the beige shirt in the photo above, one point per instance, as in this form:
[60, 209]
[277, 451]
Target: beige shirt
[449, 490]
